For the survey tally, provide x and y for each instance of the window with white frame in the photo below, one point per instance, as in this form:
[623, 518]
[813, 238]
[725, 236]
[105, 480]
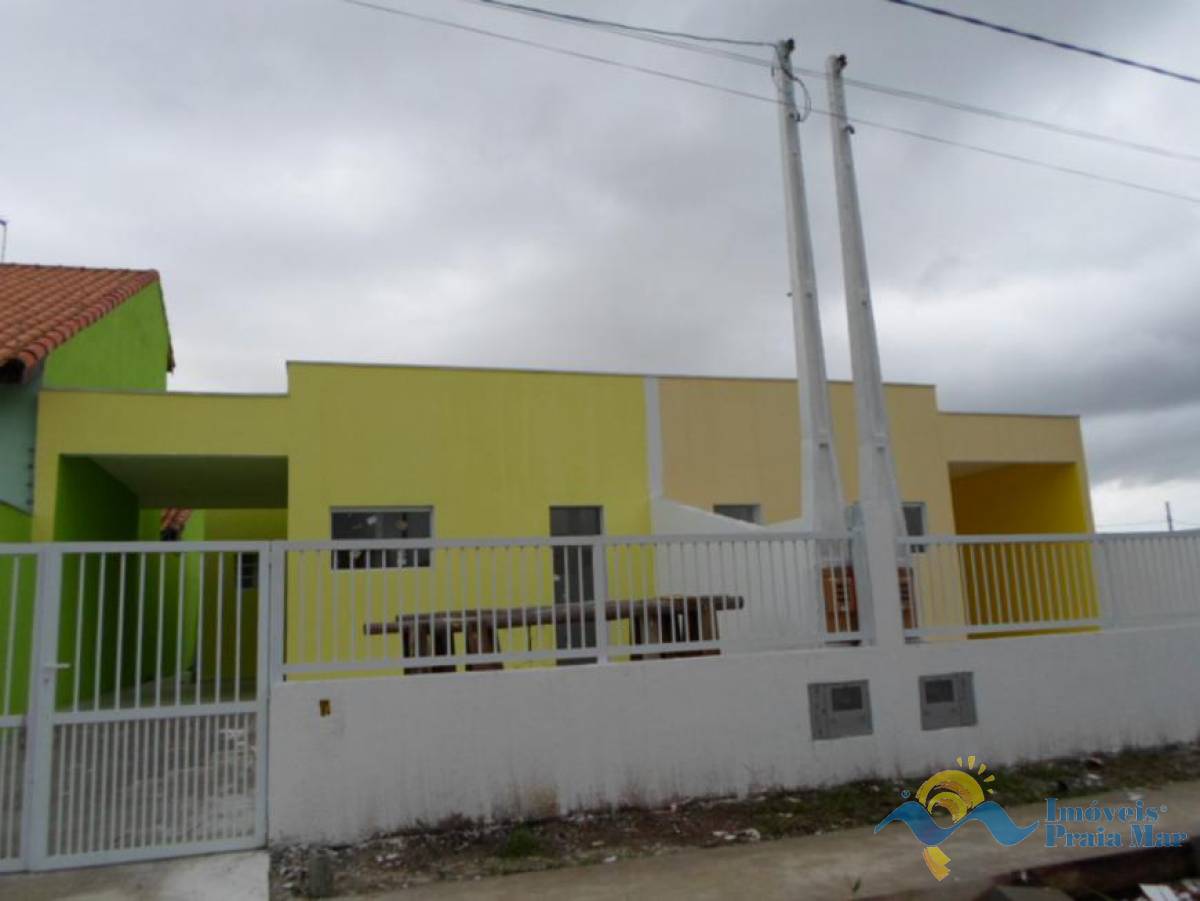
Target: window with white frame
[744, 512]
[372, 524]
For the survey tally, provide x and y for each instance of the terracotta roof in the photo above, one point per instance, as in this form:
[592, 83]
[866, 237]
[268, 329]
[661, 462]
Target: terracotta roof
[42, 307]
[174, 519]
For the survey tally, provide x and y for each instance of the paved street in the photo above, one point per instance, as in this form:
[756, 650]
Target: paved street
[212, 877]
[822, 866]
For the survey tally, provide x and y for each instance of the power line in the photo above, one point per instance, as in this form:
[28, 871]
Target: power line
[622, 30]
[1042, 39]
[656, 36]
[1008, 117]
[645, 70]
[1017, 158]
[619, 26]
[562, 51]
[670, 39]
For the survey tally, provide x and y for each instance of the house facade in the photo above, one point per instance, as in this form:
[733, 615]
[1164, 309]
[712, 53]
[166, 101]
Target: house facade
[93, 447]
[68, 327]
[481, 453]
[362, 452]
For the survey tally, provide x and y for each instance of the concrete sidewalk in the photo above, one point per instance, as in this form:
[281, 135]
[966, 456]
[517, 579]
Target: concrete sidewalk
[821, 866]
[212, 877]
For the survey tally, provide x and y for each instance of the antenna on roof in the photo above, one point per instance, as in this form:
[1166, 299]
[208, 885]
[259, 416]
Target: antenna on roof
[3, 238]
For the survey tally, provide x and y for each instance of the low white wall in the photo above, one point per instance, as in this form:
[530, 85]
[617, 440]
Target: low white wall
[396, 751]
[669, 517]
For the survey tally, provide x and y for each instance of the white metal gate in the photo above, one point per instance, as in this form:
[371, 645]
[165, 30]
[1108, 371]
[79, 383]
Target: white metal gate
[145, 731]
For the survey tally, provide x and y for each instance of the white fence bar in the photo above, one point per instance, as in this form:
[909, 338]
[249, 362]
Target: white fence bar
[1019, 584]
[153, 710]
[426, 606]
[18, 592]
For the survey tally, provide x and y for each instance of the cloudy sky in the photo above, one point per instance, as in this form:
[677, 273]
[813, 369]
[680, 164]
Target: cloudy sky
[319, 181]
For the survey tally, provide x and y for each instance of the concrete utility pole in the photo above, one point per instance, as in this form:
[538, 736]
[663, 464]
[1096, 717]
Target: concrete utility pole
[879, 496]
[1170, 520]
[820, 486]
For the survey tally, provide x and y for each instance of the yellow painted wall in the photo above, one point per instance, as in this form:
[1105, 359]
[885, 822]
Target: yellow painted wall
[1015, 583]
[738, 441]
[221, 587]
[101, 422]
[491, 451]
[1021, 499]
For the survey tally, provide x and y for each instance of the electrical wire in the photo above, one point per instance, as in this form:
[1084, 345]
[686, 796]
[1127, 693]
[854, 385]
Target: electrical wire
[975, 110]
[562, 51]
[656, 36]
[1017, 158]
[670, 39]
[1042, 39]
[627, 31]
[620, 26]
[855, 120]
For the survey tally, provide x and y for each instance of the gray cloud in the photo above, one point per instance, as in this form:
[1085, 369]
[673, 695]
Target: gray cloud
[318, 181]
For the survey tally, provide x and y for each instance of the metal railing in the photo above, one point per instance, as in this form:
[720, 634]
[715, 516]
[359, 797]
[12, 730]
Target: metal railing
[132, 700]
[18, 592]
[1022, 584]
[420, 606]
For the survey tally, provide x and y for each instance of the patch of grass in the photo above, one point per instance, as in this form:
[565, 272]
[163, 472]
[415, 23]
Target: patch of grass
[520, 842]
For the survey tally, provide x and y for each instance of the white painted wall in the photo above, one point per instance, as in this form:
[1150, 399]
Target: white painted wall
[669, 517]
[401, 750]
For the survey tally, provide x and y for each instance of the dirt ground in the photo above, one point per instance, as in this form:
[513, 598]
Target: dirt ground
[463, 850]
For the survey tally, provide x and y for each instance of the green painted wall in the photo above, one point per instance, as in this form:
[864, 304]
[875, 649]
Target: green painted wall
[235, 525]
[15, 525]
[127, 349]
[92, 505]
[18, 575]
[103, 596]
[109, 598]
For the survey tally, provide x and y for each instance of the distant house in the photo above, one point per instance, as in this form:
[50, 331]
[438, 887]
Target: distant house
[68, 327]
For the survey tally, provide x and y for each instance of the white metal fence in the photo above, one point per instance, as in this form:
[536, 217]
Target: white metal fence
[995, 584]
[134, 707]
[135, 675]
[434, 606]
[18, 591]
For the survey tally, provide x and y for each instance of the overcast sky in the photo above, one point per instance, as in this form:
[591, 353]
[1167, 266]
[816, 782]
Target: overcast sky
[319, 181]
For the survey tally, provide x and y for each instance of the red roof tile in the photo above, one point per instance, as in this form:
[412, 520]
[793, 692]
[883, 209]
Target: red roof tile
[42, 307]
[174, 518]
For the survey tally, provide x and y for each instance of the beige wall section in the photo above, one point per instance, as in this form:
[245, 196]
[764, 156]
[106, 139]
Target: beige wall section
[729, 441]
[1001, 438]
[738, 441]
[1059, 492]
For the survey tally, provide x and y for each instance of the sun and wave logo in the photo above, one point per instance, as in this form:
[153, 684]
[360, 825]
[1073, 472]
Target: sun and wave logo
[962, 794]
